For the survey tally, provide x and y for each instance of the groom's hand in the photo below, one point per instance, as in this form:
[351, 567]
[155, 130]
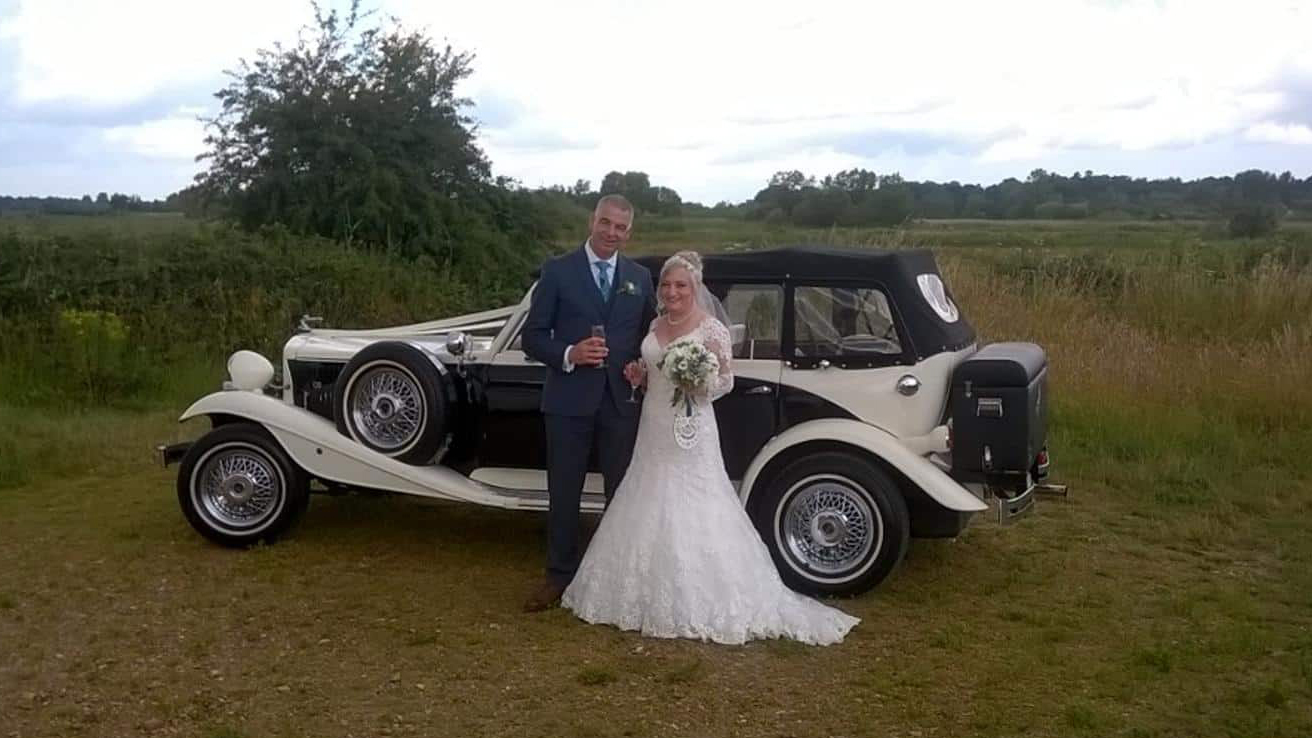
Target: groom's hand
[588, 352]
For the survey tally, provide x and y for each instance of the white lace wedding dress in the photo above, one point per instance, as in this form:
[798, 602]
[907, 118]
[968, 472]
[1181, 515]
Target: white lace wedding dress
[675, 555]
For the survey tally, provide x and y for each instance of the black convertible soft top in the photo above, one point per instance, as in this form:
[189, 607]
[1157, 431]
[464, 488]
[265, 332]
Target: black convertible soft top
[899, 272]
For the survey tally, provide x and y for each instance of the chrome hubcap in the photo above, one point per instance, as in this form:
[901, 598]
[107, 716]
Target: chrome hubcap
[829, 525]
[238, 487]
[829, 528]
[386, 407]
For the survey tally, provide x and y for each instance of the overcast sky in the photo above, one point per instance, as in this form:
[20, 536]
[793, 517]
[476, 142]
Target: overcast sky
[707, 97]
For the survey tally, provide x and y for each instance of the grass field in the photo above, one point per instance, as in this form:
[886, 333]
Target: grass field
[1170, 595]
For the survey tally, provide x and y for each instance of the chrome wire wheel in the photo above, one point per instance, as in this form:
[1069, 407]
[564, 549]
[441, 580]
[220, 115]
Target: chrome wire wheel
[238, 488]
[829, 527]
[386, 407]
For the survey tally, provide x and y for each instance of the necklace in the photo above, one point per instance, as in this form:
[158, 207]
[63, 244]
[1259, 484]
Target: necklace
[681, 321]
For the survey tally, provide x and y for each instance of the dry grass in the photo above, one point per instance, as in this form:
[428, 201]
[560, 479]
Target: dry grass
[1171, 595]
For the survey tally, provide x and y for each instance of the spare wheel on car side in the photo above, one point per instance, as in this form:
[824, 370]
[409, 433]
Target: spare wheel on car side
[391, 398]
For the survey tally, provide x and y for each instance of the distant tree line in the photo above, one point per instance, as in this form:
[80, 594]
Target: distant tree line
[1253, 201]
[86, 205]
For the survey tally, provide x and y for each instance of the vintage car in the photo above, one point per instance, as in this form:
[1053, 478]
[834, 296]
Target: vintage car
[863, 414]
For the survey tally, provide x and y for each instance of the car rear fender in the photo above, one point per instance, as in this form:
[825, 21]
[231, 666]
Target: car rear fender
[917, 469]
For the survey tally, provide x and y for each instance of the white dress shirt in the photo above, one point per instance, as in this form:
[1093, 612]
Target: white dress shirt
[566, 364]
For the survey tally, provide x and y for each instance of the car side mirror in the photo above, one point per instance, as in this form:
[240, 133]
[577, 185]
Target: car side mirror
[457, 344]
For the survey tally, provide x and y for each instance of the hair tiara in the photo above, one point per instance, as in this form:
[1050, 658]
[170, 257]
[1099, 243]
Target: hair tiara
[686, 259]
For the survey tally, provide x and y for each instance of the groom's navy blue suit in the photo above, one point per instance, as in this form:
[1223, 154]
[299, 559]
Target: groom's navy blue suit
[588, 403]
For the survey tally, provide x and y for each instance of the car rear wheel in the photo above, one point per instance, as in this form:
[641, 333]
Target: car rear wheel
[834, 522]
[389, 397]
[237, 486]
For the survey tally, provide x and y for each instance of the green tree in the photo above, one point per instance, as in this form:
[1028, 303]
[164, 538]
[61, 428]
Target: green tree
[357, 133]
[637, 187]
[791, 180]
[821, 207]
[854, 181]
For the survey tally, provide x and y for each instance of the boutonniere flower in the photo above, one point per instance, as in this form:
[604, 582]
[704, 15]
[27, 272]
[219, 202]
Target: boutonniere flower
[628, 288]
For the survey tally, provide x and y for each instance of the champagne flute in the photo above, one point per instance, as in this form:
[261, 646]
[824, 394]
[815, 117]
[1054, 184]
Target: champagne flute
[633, 387]
[599, 331]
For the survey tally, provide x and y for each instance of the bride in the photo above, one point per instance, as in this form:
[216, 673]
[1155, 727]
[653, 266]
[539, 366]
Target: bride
[675, 555]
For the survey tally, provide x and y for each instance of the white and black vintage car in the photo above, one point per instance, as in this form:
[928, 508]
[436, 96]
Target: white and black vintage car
[863, 414]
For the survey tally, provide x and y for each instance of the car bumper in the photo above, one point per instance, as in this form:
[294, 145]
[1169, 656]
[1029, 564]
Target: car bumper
[171, 453]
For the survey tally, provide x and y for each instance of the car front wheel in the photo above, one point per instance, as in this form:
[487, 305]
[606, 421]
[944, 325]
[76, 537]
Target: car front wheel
[834, 522]
[237, 486]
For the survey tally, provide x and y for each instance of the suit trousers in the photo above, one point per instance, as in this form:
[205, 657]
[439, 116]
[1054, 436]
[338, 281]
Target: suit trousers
[570, 441]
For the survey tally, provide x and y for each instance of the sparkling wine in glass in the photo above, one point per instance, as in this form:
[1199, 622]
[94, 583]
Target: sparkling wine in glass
[633, 387]
[599, 331]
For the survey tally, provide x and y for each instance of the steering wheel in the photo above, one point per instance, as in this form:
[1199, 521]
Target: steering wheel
[866, 343]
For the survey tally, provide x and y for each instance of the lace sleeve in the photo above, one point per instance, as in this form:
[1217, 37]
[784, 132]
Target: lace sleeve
[720, 344]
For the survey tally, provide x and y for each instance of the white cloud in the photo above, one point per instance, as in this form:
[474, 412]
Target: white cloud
[1293, 133]
[712, 97]
[166, 138]
[102, 53]
[1018, 81]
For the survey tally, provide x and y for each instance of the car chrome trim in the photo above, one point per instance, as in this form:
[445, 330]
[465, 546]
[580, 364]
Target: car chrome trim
[907, 385]
[1011, 509]
[534, 480]
[172, 453]
[386, 406]
[829, 527]
[237, 488]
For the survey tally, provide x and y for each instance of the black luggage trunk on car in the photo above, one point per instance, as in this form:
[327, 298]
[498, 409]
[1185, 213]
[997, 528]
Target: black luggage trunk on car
[999, 412]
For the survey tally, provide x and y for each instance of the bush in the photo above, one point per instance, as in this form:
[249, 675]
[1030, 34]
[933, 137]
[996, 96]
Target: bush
[1253, 220]
[118, 318]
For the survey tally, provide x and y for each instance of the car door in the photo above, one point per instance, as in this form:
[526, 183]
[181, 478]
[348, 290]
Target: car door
[847, 355]
[513, 433]
[748, 416]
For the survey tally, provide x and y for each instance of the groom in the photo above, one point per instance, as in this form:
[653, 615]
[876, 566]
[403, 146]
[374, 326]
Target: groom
[586, 400]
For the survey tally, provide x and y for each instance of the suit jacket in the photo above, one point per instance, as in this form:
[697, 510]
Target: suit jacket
[566, 304]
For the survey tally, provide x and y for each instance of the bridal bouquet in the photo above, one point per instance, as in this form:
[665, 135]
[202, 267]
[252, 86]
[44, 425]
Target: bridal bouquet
[689, 366]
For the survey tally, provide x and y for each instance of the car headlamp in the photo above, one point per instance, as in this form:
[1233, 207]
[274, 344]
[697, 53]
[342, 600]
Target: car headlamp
[249, 371]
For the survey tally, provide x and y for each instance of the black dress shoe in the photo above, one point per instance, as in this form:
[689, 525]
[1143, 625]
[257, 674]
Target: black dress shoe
[545, 597]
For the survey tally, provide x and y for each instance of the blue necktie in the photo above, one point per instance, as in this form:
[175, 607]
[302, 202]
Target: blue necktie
[603, 282]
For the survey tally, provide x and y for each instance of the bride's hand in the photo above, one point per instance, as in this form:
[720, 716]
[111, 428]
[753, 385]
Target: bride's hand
[635, 373]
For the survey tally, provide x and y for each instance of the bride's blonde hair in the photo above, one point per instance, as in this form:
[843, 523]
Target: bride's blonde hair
[690, 260]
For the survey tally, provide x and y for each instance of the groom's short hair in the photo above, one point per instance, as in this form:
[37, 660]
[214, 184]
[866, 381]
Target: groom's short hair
[616, 201]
